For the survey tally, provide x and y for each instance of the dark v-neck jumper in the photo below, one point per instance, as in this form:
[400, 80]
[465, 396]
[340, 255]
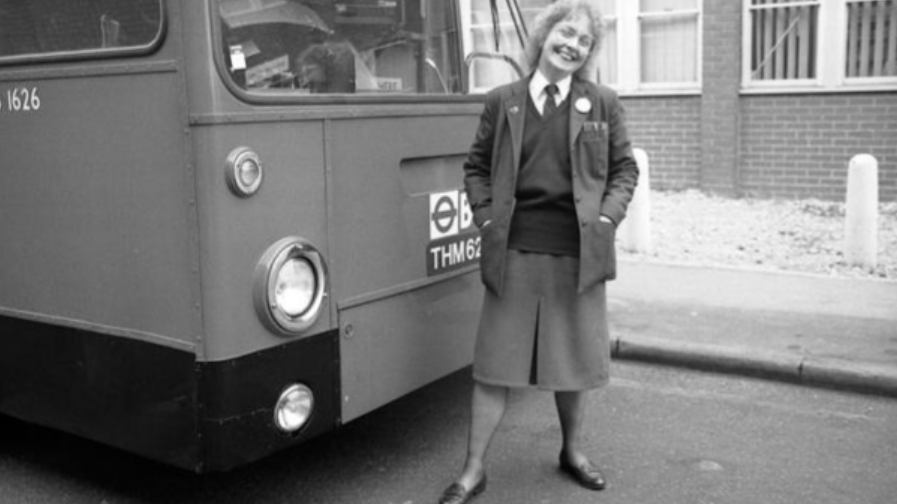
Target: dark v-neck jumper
[544, 219]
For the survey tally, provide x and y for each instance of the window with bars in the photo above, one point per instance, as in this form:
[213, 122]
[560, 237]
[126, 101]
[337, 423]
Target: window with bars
[820, 43]
[783, 39]
[871, 38]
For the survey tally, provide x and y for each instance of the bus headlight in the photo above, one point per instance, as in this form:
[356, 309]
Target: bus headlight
[243, 171]
[289, 286]
[294, 286]
[294, 408]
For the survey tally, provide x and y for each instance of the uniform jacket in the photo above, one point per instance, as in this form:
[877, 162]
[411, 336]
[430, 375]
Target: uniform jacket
[604, 175]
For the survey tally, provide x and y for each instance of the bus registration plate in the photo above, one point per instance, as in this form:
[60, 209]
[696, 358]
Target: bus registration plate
[454, 240]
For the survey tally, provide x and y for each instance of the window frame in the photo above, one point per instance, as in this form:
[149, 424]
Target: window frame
[831, 41]
[628, 20]
[96, 53]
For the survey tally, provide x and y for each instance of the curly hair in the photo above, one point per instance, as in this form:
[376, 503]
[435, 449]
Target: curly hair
[553, 14]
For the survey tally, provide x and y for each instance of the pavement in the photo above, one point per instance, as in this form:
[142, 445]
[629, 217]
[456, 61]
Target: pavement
[801, 328]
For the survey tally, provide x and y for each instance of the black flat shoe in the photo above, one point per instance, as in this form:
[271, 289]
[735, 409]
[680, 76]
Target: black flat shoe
[586, 474]
[457, 494]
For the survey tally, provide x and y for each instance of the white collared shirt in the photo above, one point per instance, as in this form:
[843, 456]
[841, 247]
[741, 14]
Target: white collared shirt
[537, 90]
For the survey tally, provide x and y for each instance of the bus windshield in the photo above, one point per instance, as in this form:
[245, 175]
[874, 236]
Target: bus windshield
[45, 29]
[368, 46]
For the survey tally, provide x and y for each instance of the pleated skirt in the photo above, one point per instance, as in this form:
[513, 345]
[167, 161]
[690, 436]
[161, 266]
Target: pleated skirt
[540, 332]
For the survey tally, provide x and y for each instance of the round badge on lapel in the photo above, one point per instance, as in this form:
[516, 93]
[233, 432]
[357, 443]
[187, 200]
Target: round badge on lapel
[583, 105]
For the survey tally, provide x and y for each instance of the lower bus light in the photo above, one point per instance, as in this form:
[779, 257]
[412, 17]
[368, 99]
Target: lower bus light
[294, 408]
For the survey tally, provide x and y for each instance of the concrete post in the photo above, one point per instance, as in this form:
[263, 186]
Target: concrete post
[637, 226]
[861, 219]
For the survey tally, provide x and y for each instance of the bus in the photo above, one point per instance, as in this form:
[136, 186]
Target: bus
[230, 226]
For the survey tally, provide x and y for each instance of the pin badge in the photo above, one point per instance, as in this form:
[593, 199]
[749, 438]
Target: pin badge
[514, 110]
[583, 105]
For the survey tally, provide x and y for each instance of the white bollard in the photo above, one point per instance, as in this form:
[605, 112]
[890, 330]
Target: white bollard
[637, 226]
[861, 219]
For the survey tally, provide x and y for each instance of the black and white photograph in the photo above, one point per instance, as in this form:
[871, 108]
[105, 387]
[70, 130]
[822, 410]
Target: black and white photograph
[448, 251]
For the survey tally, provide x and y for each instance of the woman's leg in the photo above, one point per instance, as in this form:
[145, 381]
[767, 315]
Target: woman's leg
[572, 412]
[573, 461]
[487, 409]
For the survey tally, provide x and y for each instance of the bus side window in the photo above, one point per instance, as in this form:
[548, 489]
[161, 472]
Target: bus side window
[60, 29]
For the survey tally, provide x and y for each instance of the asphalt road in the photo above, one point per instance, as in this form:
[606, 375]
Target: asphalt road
[663, 435]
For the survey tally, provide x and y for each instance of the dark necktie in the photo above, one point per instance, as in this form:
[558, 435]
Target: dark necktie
[550, 104]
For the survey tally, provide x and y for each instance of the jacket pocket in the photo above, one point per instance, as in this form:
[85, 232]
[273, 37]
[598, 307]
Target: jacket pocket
[604, 253]
[594, 150]
[492, 251]
[593, 136]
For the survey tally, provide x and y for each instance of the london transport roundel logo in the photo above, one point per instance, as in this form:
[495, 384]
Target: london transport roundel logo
[443, 214]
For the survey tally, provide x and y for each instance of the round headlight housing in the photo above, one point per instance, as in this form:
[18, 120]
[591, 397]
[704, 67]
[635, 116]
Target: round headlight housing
[289, 286]
[294, 408]
[243, 171]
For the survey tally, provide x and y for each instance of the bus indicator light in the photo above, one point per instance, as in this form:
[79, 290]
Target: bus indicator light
[243, 171]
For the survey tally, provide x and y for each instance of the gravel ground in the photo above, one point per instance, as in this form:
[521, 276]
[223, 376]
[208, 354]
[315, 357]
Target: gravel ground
[795, 235]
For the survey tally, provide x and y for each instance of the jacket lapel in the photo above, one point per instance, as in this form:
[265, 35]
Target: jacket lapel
[578, 112]
[515, 109]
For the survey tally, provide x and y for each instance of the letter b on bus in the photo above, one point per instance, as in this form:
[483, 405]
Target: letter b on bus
[450, 214]
[465, 220]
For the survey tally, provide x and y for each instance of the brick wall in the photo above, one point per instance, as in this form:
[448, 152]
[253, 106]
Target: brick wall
[799, 146]
[766, 146]
[668, 128]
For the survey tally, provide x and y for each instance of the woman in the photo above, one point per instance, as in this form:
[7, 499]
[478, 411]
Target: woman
[549, 176]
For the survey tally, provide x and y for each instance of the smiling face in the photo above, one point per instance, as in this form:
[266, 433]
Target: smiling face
[566, 48]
